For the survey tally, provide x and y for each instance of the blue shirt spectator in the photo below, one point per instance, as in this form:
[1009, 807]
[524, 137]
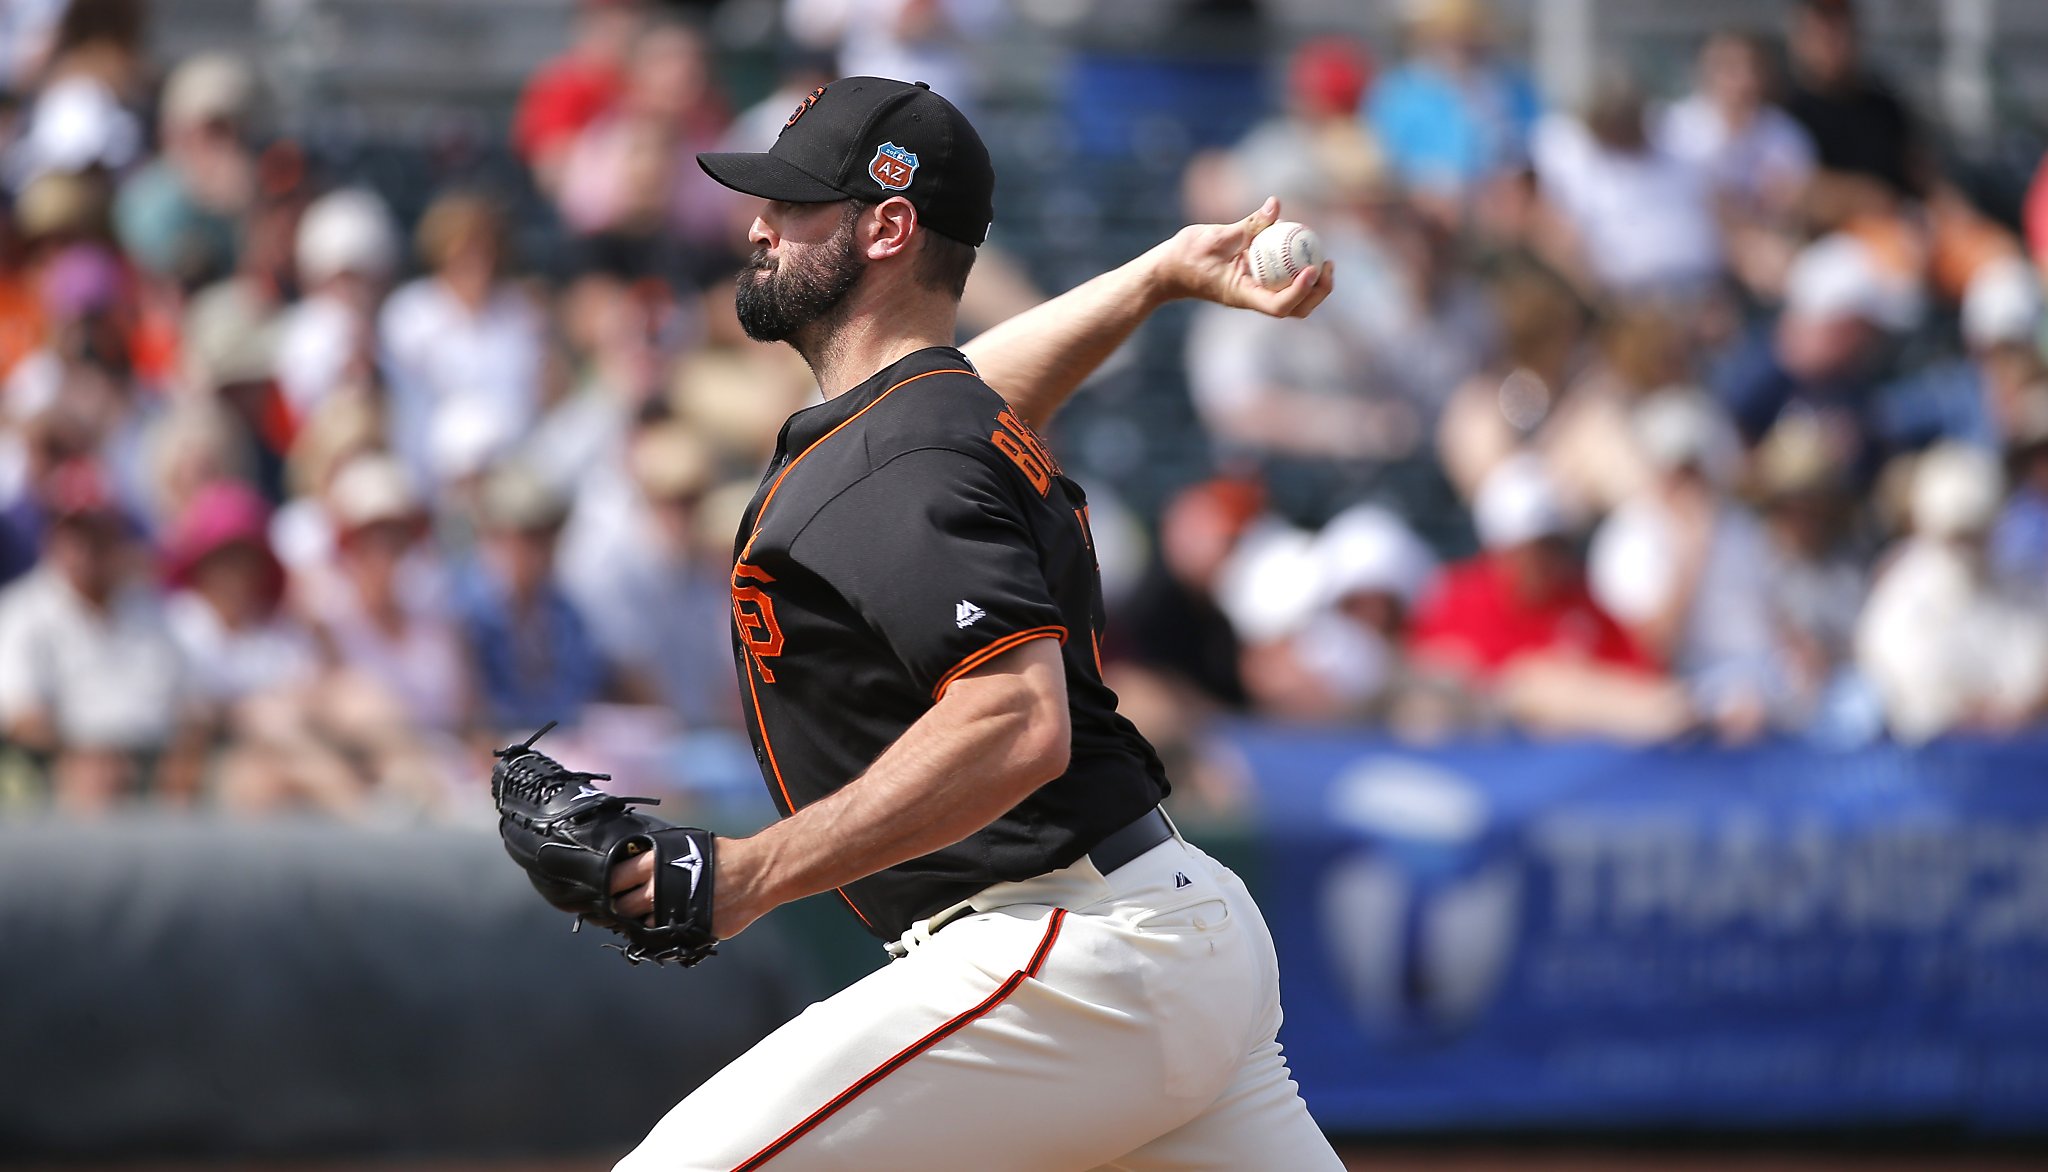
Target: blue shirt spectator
[535, 657]
[1444, 131]
[534, 664]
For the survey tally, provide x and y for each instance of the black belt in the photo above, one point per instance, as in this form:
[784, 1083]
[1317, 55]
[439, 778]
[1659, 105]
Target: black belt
[1149, 830]
[1135, 838]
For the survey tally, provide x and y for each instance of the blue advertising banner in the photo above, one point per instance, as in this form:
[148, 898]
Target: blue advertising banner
[1517, 936]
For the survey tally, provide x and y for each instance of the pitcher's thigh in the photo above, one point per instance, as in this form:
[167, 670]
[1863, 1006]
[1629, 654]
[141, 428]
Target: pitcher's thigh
[1260, 1122]
[952, 1058]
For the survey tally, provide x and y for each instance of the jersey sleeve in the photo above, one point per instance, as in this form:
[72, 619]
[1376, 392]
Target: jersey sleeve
[933, 552]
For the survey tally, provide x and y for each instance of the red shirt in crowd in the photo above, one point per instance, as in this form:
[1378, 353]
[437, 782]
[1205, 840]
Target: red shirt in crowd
[564, 97]
[1476, 621]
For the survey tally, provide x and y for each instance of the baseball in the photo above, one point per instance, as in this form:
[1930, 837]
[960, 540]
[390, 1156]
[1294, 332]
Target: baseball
[1282, 251]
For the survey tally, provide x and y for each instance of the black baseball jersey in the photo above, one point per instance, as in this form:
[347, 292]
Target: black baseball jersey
[908, 531]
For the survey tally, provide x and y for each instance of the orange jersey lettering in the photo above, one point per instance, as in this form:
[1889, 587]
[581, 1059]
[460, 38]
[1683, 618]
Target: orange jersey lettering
[753, 615]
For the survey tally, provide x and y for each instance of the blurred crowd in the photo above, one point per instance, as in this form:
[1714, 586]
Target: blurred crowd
[1714, 414]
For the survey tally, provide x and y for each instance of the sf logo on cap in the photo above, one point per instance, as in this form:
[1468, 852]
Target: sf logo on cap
[804, 107]
[893, 166]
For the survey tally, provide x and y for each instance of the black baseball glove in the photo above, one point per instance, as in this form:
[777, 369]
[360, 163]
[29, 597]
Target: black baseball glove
[568, 834]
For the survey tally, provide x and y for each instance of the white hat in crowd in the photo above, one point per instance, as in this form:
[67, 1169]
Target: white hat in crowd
[1838, 276]
[1270, 585]
[515, 498]
[208, 88]
[1956, 491]
[2002, 304]
[346, 231]
[465, 434]
[76, 123]
[1683, 426]
[370, 488]
[1518, 502]
[1368, 550]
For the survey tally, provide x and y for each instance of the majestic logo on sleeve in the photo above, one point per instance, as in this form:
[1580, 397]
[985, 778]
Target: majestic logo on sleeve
[892, 167]
[966, 614]
[753, 617]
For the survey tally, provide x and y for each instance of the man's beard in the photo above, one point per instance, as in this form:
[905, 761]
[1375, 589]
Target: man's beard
[777, 300]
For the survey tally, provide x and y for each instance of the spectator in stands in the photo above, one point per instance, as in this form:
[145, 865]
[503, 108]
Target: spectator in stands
[302, 531]
[570, 92]
[1172, 626]
[21, 310]
[1946, 646]
[89, 87]
[1494, 413]
[194, 444]
[228, 350]
[396, 689]
[28, 28]
[531, 653]
[1758, 161]
[1643, 218]
[630, 182]
[33, 448]
[621, 340]
[1972, 397]
[253, 668]
[84, 357]
[2019, 539]
[462, 334]
[1846, 302]
[1518, 626]
[1315, 144]
[1340, 658]
[382, 614]
[347, 253]
[1172, 651]
[1755, 156]
[1452, 115]
[651, 574]
[1813, 573]
[1683, 567]
[85, 369]
[90, 677]
[179, 214]
[1869, 146]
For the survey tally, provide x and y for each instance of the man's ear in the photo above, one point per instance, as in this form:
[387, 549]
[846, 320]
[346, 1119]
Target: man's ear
[890, 228]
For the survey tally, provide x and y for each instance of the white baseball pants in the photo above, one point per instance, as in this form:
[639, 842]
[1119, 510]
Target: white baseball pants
[1073, 1022]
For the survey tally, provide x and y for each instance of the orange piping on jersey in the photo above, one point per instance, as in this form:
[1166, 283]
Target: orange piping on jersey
[761, 724]
[991, 651]
[848, 901]
[1095, 641]
[949, 1028]
[791, 466]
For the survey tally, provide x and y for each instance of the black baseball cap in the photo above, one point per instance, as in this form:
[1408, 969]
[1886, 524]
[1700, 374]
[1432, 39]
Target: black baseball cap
[869, 138]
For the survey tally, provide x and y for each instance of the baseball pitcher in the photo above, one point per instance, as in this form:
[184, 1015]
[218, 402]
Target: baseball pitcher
[916, 615]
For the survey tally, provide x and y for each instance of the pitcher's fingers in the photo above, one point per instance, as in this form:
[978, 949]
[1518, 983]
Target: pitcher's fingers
[1239, 236]
[1287, 300]
[1321, 293]
[637, 871]
[636, 903]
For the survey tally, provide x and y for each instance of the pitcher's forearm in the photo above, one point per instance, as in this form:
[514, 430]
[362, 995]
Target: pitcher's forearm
[998, 735]
[1036, 359]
